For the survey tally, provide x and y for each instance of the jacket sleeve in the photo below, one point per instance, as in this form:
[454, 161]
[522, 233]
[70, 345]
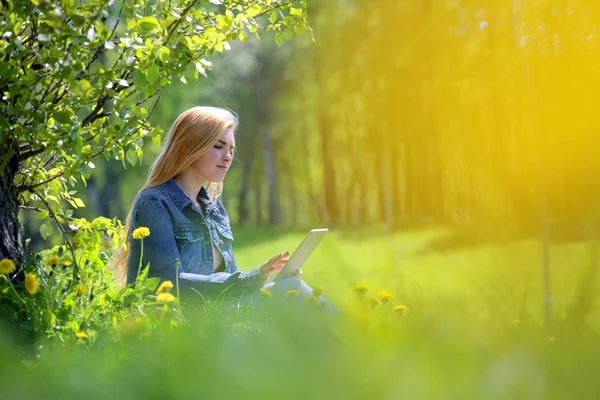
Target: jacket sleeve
[160, 250]
[234, 266]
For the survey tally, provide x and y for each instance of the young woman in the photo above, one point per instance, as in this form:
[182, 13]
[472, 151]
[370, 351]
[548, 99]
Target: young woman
[190, 235]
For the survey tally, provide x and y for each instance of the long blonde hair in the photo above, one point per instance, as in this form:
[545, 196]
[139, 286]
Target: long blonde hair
[191, 136]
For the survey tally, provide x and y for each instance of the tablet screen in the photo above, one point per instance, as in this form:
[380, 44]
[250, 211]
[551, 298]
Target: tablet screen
[308, 245]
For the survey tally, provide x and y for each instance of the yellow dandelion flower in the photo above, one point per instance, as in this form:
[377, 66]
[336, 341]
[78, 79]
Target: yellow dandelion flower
[81, 335]
[292, 293]
[166, 286]
[374, 302]
[140, 233]
[132, 326]
[32, 283]
[53, 261]
[7, 266]
[165, 297]
[400, 309]
[266, 292]
[81, 289]
[67, 263]
[385, 296]
[361, 289]
[318, 290]
[312, 300]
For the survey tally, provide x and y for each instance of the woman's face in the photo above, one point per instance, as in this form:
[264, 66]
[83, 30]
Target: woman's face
[213, 165]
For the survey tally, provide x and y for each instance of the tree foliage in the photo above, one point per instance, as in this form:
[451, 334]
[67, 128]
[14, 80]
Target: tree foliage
[81, 79]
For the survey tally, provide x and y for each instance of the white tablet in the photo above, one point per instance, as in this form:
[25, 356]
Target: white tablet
[308, 245]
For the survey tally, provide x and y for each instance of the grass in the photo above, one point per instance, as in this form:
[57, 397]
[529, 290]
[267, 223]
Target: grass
[474, 330]
[503, 276]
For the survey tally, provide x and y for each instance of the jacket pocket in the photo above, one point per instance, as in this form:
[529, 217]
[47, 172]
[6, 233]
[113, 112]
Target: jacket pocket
[225, 231]
[188, 236]
[191, 250]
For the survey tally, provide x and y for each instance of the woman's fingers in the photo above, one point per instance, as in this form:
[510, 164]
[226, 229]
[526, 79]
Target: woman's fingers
[280, 264]
[274, 264]
[276, 258]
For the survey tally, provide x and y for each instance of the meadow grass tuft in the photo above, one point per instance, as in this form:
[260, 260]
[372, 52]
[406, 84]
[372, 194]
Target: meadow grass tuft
[462, 323]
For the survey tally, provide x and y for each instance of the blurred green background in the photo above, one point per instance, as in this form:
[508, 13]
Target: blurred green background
[451, 147]
[476, 115]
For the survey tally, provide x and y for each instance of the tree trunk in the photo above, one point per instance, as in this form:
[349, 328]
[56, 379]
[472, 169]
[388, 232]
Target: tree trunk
[330, 190]
[270, 175]
[243, 215]
[12, 241]
[258, 204]
[311, 198]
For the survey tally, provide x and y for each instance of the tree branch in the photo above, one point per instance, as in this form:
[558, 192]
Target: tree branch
[29, 188]
[147, 98]
[175, 24]
[117, 23]
[51, 159]
[30, 153]
[30, 208]
[94, 114]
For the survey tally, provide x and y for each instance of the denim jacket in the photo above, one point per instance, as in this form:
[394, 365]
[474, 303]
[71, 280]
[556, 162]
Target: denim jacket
[179, 231]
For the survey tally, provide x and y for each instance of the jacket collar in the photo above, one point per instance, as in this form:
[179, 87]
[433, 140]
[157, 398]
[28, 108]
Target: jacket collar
[171, 189]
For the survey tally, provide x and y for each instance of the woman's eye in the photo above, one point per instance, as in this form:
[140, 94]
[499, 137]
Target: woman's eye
[218, 147]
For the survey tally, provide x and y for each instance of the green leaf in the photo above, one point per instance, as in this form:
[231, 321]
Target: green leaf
[254, 10]
[62, 116]
[148, 23]
[46, 230]
[95, 239]
[300, 29]
[85, 85]
[100, 223]
[41, 215]
[164, 54]
[131, 156]
[152, 283]
[296, 11]
[288, 33]
[68, 4]
[152, 73]
[4, 68]
[54, 172]
[78, 202]
[139, 79]
[273, 17]
[156, 136]
[279, 39]
[223, 22]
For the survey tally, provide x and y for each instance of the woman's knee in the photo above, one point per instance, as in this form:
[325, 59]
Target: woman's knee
[285, 285]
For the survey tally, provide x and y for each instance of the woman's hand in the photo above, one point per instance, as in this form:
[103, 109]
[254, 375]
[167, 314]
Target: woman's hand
[275, 264]
[297, 274]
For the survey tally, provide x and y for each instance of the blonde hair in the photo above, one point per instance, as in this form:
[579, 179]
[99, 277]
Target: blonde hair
[191, 136]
